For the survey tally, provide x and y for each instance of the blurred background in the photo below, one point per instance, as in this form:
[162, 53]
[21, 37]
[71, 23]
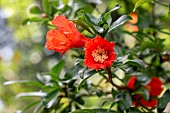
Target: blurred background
[22, 50]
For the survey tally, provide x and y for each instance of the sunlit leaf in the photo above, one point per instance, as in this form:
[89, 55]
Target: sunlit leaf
[121, 20]
[99, 29]
[34, 83]
[35, 10]
[146, 45]
[45, 6]
[139, 3]
[28, 94]
[35, 19]
[25, 21]
[56, 70]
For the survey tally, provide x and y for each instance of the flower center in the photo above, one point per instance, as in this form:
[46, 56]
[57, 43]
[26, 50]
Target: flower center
[99, 55]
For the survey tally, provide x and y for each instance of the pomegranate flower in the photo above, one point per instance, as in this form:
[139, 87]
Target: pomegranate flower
[65, 37]
[130, 25]
[99, 53]
[154, 87]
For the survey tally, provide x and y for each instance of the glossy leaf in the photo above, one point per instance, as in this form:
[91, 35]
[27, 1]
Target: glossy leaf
[83, 81]
[162, 102]
[107, 17]
[85, 26]
[56, 70]
[138, 63]
[139, 3]
[99, 29]
[38, 94]
[121, 20]
[84, 111]
[50, 99]
[124, 100]
[81, 73]
[91, 19]
[35, 10]
[34, 83]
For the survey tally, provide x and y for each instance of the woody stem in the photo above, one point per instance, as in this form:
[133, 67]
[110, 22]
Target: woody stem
[111, 81]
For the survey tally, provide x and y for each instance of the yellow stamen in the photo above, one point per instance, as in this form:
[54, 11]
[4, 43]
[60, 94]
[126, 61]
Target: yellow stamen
[99, 55]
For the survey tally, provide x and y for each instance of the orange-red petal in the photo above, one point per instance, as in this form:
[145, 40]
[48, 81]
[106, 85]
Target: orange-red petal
[131, 82]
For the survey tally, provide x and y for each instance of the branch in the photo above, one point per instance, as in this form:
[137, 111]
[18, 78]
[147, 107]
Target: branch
[111, 81]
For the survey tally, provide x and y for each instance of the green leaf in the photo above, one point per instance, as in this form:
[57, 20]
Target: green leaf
[137, 63]
[81, 73]
[139, 3]
[39, 94]
[82, 82]
[144, 92]
[51, 98]
[116, 7]
[99, 29]
[121, 20]
[25, 21]
[80, 22]
[162, 102]
[45, 6]
[30, 106]
[101, 110]
[35, 10]
[35, 19]
[80, 100]
[94, 1]
[56, 70]
[84, 111]
[142, 78]
[91, 19]
[123, 59]
[146, 45]
[106, 16]
[34, 83]
[124, 100]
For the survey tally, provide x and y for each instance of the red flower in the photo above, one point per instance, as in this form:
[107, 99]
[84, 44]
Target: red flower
[131, 83]
[149, 103]
[99, 53]
[139, 100]
[155, 86]
[65, 37]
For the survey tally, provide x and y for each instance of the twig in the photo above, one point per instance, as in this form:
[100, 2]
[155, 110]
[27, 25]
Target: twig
[111, 81]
